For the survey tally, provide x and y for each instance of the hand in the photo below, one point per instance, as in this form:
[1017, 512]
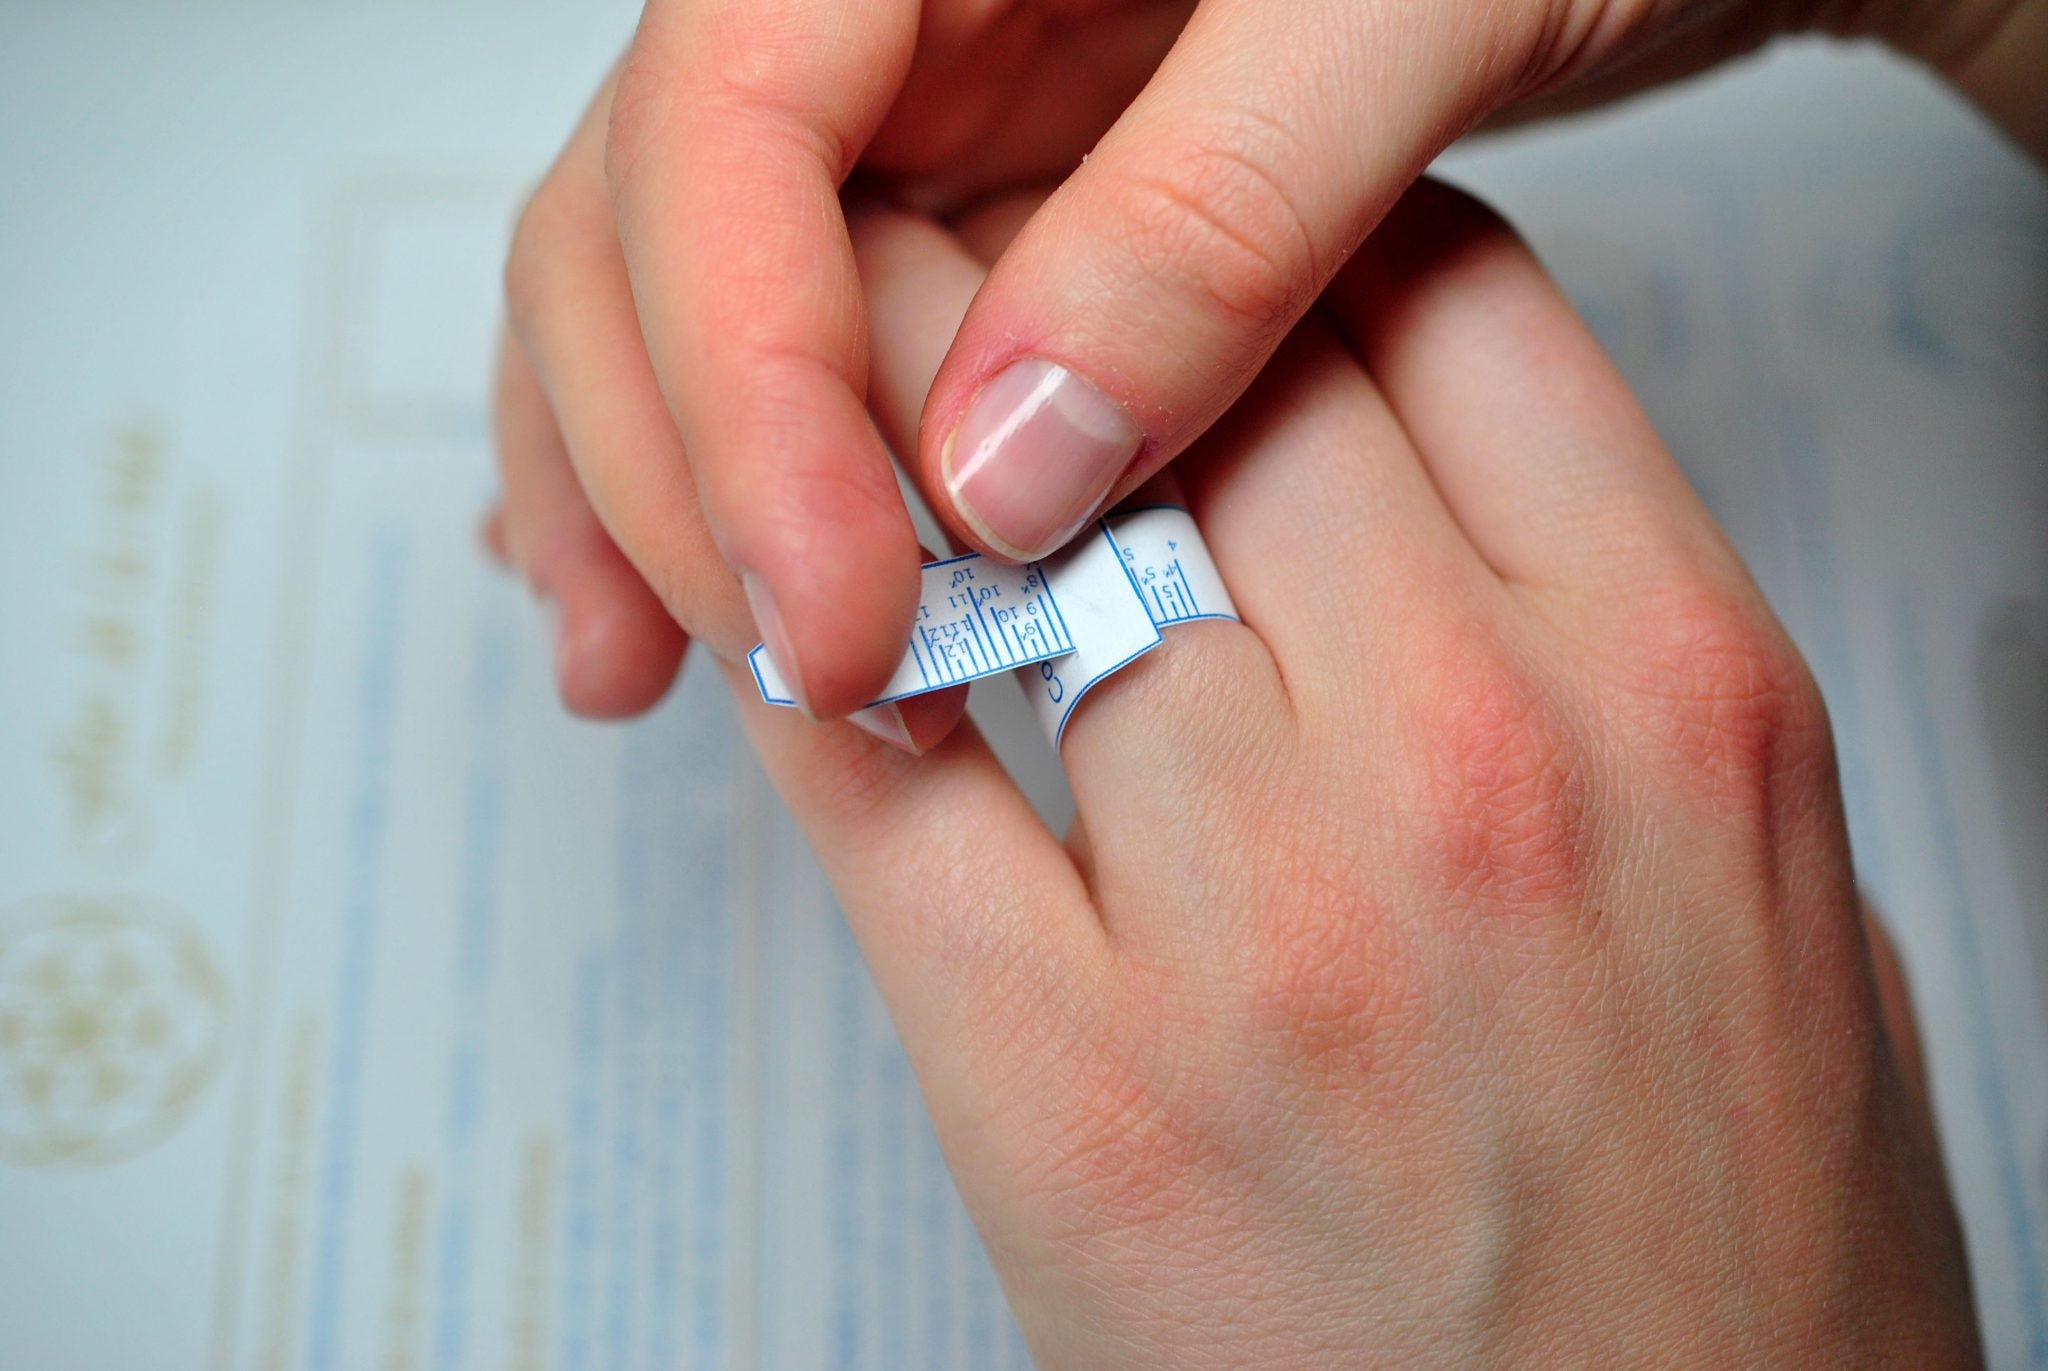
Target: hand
[684, 400]
[1456, 963]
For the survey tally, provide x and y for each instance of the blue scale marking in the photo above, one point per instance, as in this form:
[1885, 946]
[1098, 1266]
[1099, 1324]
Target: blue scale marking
[983, 646]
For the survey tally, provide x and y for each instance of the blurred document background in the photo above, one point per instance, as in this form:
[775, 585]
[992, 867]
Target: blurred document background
[358, 1009]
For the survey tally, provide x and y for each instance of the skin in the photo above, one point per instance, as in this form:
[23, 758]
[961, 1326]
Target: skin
[681, 405]
[1458, 962]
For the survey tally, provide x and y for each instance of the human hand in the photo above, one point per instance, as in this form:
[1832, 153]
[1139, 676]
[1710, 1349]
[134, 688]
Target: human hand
[686, 389]
[1458, 962]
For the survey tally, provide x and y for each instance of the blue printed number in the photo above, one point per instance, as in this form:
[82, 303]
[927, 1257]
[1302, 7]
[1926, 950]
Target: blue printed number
[1054, 691]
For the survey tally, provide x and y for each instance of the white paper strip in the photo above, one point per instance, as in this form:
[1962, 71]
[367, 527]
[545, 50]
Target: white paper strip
[1062, 624]
[975, 617]
[1168, 570]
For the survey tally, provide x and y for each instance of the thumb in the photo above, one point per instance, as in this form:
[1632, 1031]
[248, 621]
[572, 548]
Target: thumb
[1144, 296]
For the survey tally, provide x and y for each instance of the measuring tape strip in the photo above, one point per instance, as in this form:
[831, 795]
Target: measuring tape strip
[1062, 624]
[1167, 575]
[975, 617]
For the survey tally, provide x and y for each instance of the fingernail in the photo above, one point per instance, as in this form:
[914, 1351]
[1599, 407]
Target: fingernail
[768, 622]
[1034, 455]
[885, 722]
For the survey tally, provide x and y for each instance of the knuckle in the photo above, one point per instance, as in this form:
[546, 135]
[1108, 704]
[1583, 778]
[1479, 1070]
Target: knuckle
[841, 494]
[765, 54]
[754, 75]
[551, 221]
[526, 261]
[844, 493]
[1126, 1142]
[641, 100]
[1221, 221]
[1723, 688]
[705, 610]
[1503, 785]
[1121, 1153]
[1331, 993]
[814, 485]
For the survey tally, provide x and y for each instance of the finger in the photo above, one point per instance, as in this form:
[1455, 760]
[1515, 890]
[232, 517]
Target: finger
[571, 304]
[1151, 288]
[1015, 94]
[1541, 452]
[616, 648]
[972, 920]
[734, 123]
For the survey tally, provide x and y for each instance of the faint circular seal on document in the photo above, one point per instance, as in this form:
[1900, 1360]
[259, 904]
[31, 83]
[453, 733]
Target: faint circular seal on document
[113, 1022]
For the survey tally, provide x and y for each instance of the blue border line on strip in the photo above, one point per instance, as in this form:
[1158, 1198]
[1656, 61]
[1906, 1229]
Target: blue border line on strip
[760, 685]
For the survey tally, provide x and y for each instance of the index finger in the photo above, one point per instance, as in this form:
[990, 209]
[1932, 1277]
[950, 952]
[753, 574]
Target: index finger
[734, 123]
